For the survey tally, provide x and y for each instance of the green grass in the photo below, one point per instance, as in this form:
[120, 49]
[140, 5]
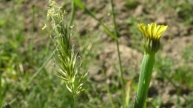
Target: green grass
[25, 57]
[22, 59]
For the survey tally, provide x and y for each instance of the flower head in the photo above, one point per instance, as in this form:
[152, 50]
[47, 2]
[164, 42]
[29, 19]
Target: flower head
[152, 33]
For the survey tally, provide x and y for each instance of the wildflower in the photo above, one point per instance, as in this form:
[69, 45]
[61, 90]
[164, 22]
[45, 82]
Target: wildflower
[152, 34]
[151, 44]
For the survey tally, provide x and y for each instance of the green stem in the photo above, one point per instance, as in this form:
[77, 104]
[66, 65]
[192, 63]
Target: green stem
[1, 94]
[81, 6]
[1, 99]
[41, 68]
[75, 101]
[144, 79]
[72, 13]
[119, 56]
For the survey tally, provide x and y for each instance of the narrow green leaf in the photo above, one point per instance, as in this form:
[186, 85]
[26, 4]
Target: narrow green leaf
[81, 6]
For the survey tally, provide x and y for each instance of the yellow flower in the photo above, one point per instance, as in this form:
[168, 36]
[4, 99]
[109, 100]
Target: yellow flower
[152, 31]
[152, 34]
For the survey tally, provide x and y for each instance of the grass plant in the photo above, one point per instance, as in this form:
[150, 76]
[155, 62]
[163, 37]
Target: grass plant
[66, 57]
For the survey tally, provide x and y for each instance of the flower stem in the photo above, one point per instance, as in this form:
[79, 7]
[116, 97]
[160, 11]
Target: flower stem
[144, 79]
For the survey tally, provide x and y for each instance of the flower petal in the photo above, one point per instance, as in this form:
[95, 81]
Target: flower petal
[152, 30]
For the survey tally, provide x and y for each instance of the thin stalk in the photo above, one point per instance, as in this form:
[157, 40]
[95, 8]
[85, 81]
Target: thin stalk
[72, 13]
[144, 79]
[127, 93]
[1, 98]
[41, 68]
[75, 100]
[1, 91]
[81, 6]
[113, 35]
[73, 6]
[119, 56]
